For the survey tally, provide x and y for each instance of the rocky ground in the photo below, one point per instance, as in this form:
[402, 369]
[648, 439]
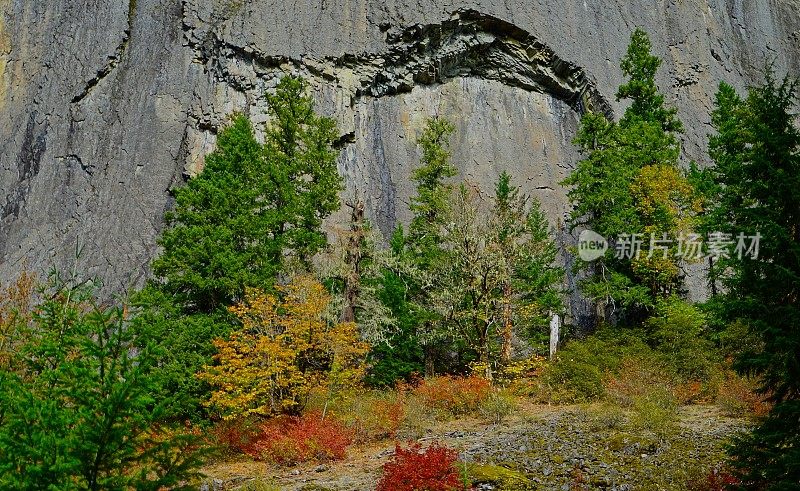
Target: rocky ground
[538, 447]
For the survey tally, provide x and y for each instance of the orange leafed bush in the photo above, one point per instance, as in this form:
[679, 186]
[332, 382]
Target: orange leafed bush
[290, 439]
[458, 395]
[414, 469]
[236, 435]
[636, 378]
[737, 397]
[690, 392]
[287, 439]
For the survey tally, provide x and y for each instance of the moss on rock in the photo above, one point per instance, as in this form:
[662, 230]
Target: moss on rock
[506, 479]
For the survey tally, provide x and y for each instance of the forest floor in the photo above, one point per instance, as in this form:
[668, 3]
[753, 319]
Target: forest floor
[575, 447]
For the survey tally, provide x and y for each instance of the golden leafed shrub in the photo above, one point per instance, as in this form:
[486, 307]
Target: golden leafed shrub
[284, 348]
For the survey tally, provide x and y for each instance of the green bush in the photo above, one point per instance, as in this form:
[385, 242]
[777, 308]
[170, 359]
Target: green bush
[655, 410]
[738, 338]
[497, 407]
[581, 368]
[678, 331]
[604, 417]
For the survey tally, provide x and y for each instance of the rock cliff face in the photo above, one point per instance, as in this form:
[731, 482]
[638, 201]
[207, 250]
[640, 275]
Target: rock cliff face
[106, 105]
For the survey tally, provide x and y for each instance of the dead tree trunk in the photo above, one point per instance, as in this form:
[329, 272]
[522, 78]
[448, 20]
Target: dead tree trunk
[354, 253]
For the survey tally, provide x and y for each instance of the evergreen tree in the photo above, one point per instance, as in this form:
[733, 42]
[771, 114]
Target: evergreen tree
[252, 214]
[647, 103]
[401, 356]
[757, 180]
[423, 249]
[533, 280]
[80, 412]
[253, 206]
[630, 190]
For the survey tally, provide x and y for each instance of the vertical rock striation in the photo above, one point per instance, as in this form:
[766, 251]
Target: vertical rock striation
[105, 106]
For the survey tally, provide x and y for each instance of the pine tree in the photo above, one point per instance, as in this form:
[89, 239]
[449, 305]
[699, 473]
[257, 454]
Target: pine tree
[647, 103]
[80, 413]
[401, 356]
[253, 214]
[236, 224]
[757, 183]
[629, 188]
[423, 245]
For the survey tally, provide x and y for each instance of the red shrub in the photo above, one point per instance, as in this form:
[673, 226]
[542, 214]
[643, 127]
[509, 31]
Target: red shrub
[459, 395]
[290, 439]
[414, 469]
[285, 439]
[236, 435]
[716, 480]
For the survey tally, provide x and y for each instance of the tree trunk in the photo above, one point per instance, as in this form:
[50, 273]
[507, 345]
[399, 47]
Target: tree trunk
[555, 325]
[353, 257]
[508, 325]
[430, 357]
[483, 352]
[713, 280]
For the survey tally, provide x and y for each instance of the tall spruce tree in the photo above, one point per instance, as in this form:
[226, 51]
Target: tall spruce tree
[423, 246]
[756, 180]
[253, 207]
[629, 189]
[253, 213]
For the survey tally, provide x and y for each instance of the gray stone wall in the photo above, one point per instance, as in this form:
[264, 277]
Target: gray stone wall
[106, 105]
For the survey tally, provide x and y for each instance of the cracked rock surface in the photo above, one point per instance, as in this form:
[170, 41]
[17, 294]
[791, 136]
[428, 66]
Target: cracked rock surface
[106, 106]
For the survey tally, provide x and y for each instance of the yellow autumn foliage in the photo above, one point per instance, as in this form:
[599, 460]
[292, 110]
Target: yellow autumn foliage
[666, 202]
[284, 349]
[665, 199]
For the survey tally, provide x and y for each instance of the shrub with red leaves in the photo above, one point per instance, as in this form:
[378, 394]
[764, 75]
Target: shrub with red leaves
[291, 439]
[414, 469]
[716, 480]
[458, 395]
[287, 439]
[235, 435]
